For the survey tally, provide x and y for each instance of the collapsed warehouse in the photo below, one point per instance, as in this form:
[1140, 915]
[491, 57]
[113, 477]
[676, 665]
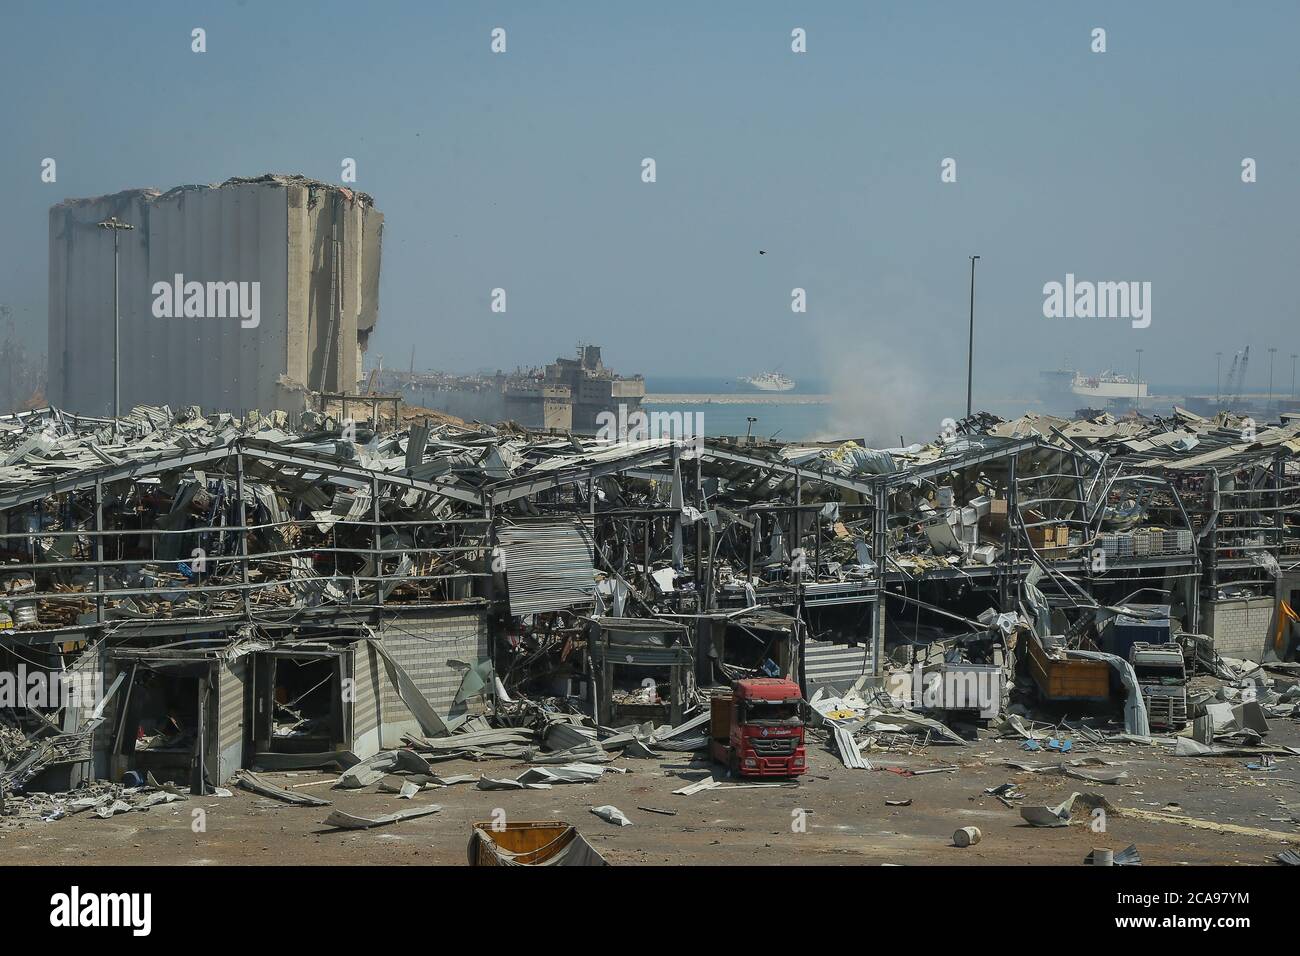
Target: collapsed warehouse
[277, 593]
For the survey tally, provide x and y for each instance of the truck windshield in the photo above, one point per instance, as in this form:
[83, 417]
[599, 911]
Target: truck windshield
[1160, 673]
[774, 713]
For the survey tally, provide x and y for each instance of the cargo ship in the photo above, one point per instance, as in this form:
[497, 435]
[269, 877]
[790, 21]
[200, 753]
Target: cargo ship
[770, 382]
[1109, 386]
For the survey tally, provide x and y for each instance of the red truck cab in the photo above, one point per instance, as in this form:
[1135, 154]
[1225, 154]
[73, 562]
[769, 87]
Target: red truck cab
[758, 730]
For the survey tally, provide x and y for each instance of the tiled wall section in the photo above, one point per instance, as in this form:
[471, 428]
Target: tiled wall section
[1241, 628]
[423, 642]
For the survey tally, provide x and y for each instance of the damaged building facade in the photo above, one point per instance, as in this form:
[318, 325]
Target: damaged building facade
[237, 296]
[569, 394]
[250, 595]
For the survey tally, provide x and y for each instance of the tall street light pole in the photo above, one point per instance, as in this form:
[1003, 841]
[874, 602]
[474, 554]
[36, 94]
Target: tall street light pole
[970, 345]
[1293, 358]
[1270, 376]
[1137, 387]
[1218, 371]
[116, 226]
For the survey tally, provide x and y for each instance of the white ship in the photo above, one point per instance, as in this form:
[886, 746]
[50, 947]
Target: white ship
[770, 382]
[1108, 386]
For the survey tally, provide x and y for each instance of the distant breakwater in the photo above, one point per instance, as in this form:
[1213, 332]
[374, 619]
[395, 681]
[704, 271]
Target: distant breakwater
[737, 398]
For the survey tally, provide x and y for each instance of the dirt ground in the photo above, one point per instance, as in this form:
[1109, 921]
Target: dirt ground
[847, 819]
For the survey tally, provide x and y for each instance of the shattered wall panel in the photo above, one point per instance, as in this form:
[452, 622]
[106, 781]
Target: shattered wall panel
[1241, 627]
[838, 665]
[231, 707]
[425, 643]
[92, 665]
[367, 672]
[549, 565]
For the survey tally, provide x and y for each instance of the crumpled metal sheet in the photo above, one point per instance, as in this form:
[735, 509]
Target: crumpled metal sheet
[612, 814]
[565, 773]
[109, 809]
[452, 780]
[708, 783]
[1135, 711]
[848, 750]
[251, 781]
[500, 783]
[590, 752]
[1057, 816]
[373, 769]
[640, 751]
[347, 821]
[549, 566]
[473, 740]
[563, 735]
[1187, 747]
[1074, 769]
[543, 778]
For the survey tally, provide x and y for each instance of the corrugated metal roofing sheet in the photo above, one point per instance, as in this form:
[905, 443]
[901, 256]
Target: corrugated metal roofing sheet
[548, 565]
[839, 665]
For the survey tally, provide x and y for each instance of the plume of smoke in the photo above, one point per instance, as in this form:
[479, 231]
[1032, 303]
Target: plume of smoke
[879, 393]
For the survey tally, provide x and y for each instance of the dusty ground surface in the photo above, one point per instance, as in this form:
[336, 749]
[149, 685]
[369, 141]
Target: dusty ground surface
[847, 822]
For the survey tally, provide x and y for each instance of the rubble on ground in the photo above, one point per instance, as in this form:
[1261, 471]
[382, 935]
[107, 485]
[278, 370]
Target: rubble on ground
[556, 608]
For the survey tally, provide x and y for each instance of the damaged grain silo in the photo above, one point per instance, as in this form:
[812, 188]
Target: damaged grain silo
[236, 296]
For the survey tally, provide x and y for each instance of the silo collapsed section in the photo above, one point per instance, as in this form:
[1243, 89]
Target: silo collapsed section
[243, 295]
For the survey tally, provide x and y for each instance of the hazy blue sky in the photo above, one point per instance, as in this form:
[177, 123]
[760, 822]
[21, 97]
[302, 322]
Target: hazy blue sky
[522, 170]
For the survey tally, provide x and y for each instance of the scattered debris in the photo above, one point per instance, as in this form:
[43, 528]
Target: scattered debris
[347, 821]
[1107, 857]
[251, 781]
[1156, 816]
[637, 585]
[708, 783]
[612, 814]
[1057, 816]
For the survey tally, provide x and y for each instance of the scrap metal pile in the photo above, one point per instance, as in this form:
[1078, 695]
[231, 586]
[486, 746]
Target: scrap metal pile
[627, 580]
[189, 515]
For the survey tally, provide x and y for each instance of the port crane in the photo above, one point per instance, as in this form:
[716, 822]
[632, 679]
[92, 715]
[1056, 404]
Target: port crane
[1233, 386]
